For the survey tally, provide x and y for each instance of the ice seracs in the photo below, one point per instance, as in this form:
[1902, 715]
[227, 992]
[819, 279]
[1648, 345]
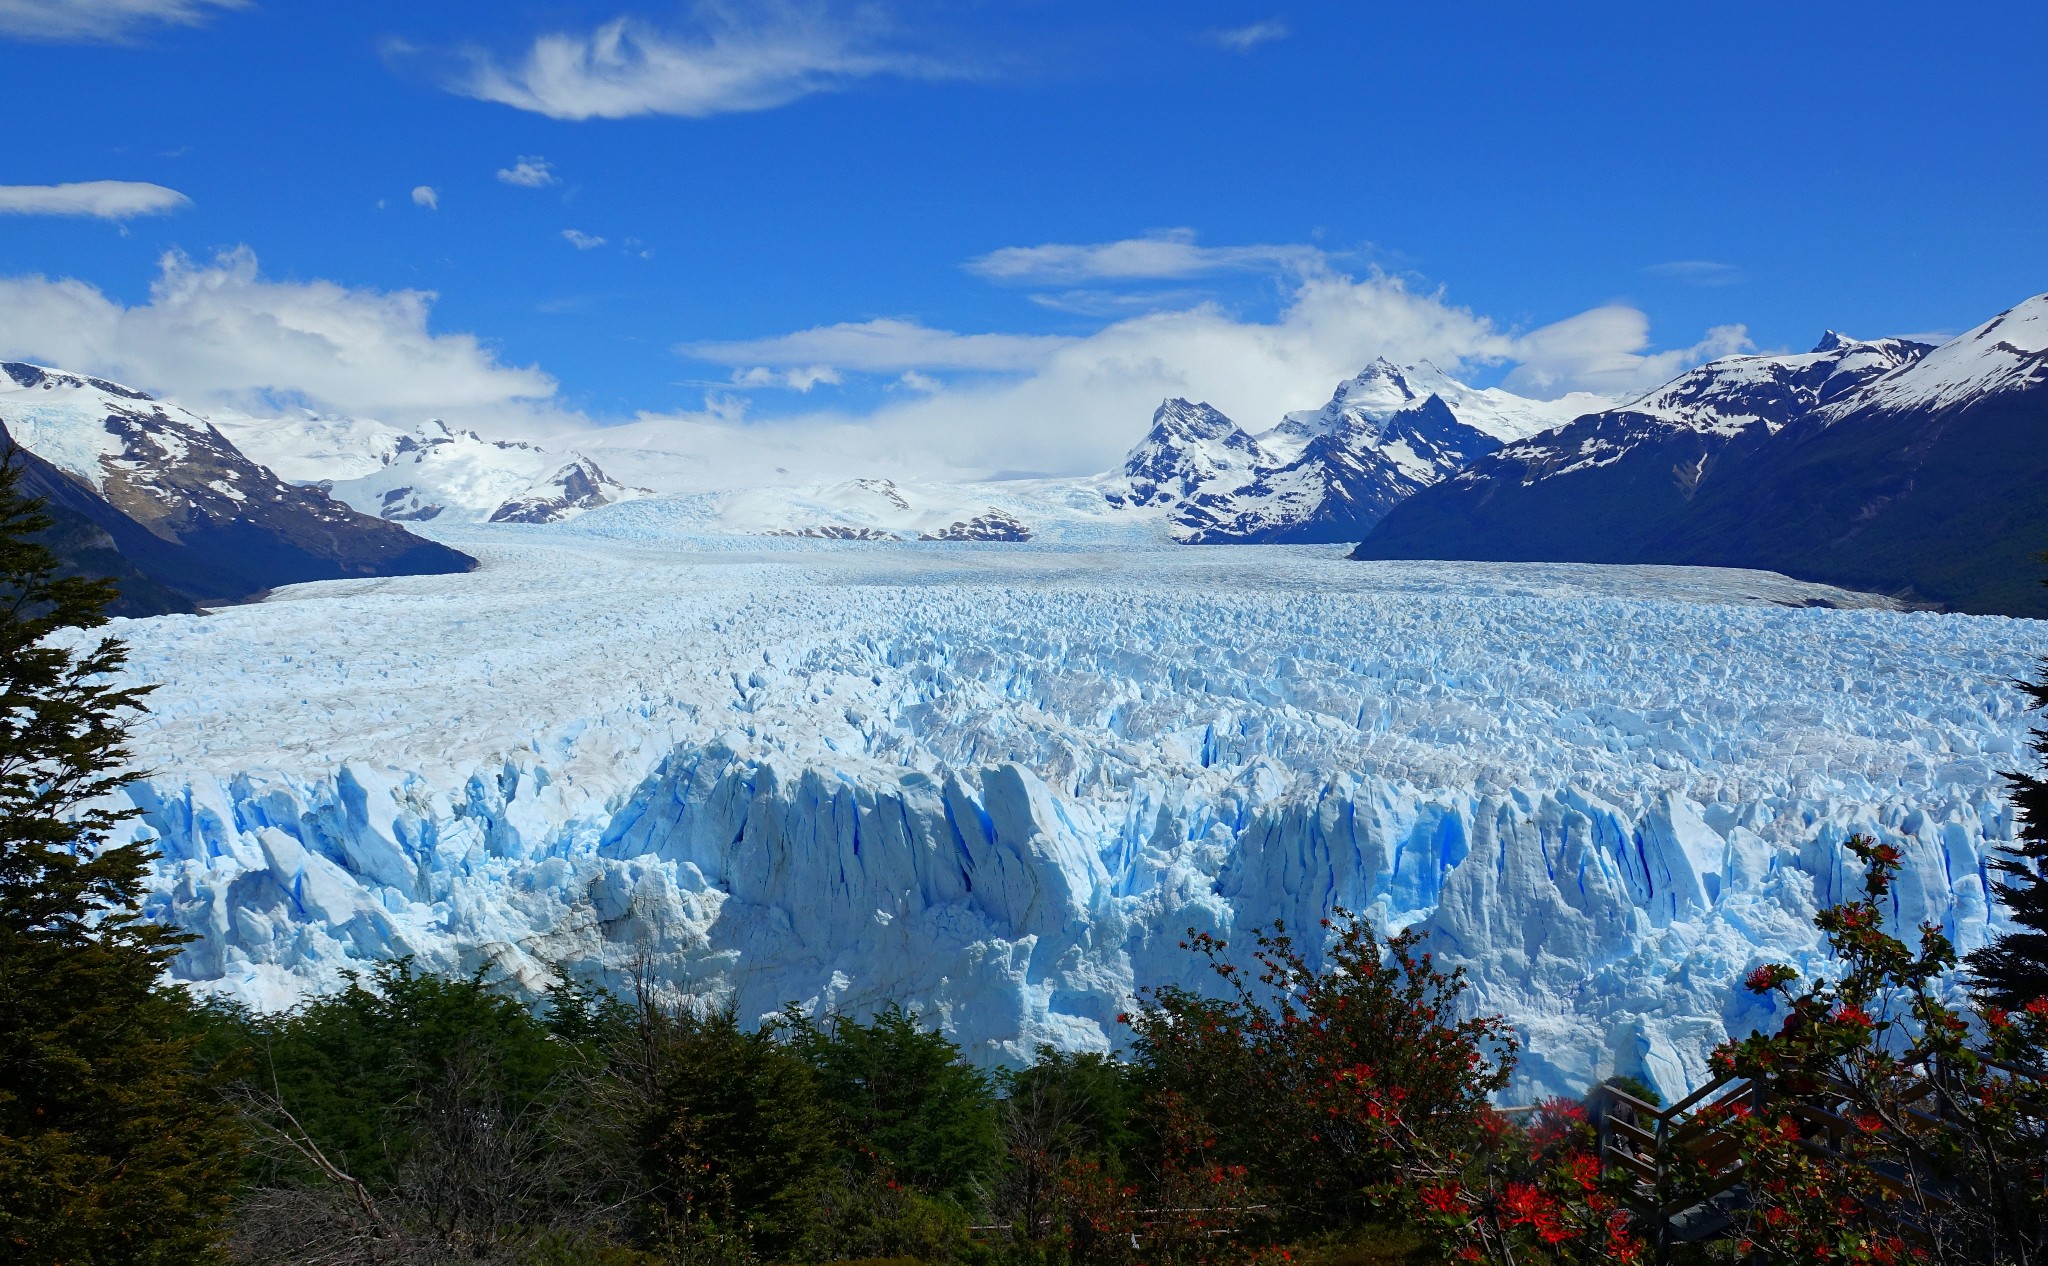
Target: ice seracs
[998, 783]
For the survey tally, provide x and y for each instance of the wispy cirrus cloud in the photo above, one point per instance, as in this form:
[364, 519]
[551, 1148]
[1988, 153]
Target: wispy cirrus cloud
[1170, 255]
[1697, 272]
[99, 199]
[101, 21]
[1243, 39]
[886, 345]
[732, 59]
[582, 241]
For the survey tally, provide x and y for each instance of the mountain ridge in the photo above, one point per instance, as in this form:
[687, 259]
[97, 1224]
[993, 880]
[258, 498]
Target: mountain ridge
[186, 511]
[1885, 465]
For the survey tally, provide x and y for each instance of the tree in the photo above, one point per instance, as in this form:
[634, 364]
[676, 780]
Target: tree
[414, 1117]
[113, 1148]
[2013, 970]
[1885, 1126]
[730, 1133]
[900, 1096]
[1344, 1087]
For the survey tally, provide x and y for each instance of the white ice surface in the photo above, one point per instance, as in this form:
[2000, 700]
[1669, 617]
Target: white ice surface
[997, 782]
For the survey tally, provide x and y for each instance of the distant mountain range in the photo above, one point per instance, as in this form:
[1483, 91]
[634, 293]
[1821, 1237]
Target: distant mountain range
[159, 500]
[1322, 475]
[1888, 466]
[430, 471]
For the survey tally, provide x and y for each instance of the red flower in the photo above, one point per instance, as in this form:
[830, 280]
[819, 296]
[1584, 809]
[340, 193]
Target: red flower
[1852, 1014]
[1440, 1199]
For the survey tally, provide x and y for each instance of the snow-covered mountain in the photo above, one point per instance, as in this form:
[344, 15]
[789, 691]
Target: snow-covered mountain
[1327, 474]
[1887, 464]
[434, 470]
[181, 506]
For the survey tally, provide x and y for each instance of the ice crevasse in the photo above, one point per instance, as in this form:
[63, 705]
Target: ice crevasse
[1000, 787]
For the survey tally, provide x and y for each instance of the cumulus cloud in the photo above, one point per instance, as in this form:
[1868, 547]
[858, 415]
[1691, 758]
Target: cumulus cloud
[582, 241]
[93, 21]
[102, 199]
[1164, 256]
[530, 172]
[982, 402]
[1603, 350]
[738, 58]
[424, 196]
[1243, 39]
[219, 334]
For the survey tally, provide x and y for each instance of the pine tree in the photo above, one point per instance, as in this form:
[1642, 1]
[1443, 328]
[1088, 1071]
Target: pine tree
[2013, 970]
[113, 1150]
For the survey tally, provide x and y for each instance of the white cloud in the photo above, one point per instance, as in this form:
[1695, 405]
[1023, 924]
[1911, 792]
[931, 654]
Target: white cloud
[1163, 256]
[104, 199]
[1603, 350]
[424, 196]
[796, 379]
[218, 334]
[886, 346]
[740, 58]
[1074, 404]
[1697, 272]
[582, 241]
[87, 21]
[1243, 39]
[530, 172]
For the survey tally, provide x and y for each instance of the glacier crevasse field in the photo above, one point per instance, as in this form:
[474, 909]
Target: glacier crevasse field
[999, 782]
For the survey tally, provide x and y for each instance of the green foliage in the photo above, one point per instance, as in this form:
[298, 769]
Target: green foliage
[1888, 1126]
[1339, 1087]
[900, 1096]
[113, 1148]
[733, 1136]
[2013, 970]
[353, 1068]
[1099, 1098]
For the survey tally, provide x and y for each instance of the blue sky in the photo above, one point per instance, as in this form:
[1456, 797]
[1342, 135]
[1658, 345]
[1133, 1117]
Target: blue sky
[829, 215]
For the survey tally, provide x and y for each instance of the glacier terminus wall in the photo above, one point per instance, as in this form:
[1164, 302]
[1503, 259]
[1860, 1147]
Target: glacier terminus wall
[998, 783]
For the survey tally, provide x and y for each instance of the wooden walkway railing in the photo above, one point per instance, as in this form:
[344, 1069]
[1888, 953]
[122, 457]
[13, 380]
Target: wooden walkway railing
[1651, 1146]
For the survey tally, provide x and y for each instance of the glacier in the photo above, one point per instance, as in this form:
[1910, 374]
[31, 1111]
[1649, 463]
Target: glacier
[998, 782]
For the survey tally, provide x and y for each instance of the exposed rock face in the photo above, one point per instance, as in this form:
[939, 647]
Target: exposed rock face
[996, 525]
[1322, 475]
[836, 532]
[569, 491]
[181, 504]
[1885, 465]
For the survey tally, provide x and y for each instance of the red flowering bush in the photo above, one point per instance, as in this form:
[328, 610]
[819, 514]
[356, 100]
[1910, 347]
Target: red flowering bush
[1883, 1124]
[1352, 1091]
[1343, 1088]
